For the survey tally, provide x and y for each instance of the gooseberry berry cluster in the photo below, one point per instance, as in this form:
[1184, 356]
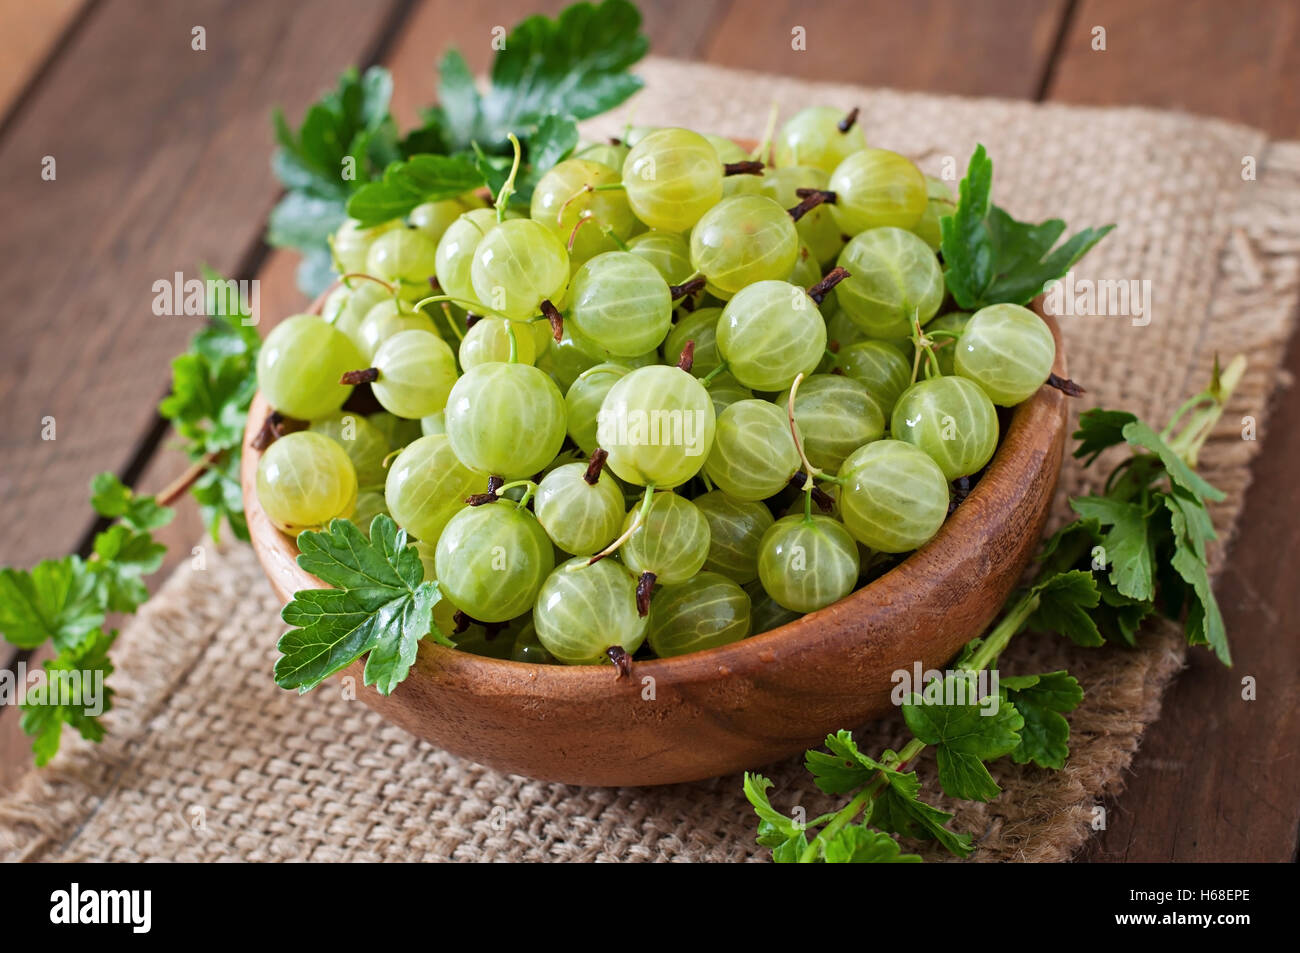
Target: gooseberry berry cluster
[690, 397]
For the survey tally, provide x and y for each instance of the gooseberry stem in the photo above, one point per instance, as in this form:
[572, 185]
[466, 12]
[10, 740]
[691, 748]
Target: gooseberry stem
[508, 186]
[845, 124]
[451, 321]
[463, 302]
[688, 287]
[707, 379]
[514, 344]
[743, 167]
[812, 471]
[769, 130]
[636, 524]
[819, 291]
[552, 314]
[596, 464]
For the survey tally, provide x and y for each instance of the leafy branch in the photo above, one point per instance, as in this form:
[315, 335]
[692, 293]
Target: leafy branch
[993, 258]
[347, 160]
[65, 603]
[1137, 550]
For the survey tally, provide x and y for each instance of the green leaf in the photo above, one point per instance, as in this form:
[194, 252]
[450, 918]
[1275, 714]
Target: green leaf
[1025, 261]
[555, 139]
[422, 178]
[1041, 700]
[1118, 617]
[991, 257]
[112, 498]
[380, 604]
[575, 65]
[965, 731]
[58, 600]
[44, 715]
[1064, 601]
[1180, 474]
[303, 220]
[458, 97]
[212, 386]
[856, 844]
[899, 810]
[1192, 529]
[791, 850]
[775, 828]
[312, 159]
[1130, 553]
[843, 768]
[965, 241]
[1099, 430]
[125, 558]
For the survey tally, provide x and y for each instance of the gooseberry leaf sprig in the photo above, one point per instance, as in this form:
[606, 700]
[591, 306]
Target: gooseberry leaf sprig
[990, 257]
[64, 603]
[378, 604]
[1139, 548]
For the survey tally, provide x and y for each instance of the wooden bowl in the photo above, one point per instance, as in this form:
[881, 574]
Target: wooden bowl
[745, 704]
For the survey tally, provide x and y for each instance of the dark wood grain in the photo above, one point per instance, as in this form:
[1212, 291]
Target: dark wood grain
[1228, 765]
[153, 176]
[29, 33]
[978, 48]
[1239, 61]
[161, 165]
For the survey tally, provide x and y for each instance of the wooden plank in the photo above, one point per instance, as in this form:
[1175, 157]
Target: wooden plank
[29, 33]
[1226, 766]
[1236, 61]
[165, 167]
[978, 48]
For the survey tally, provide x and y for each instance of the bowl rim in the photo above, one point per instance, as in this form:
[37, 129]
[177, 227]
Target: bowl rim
[1027, 436]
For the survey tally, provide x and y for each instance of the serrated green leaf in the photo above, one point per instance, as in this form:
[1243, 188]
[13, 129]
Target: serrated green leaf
[112, 498]
[574, 65]
[856, 844]
[1041, 700]
[965, 733]
[43, 718]
[1191, 530]
[57, 600]
[380, 604]
[1140, 435]
[775, 828]
[842, 768]
[1064, 601]
[1130, 552]
[1099, 430]
[899, 810]
[422, 178]
[125, 557]
[993, 258]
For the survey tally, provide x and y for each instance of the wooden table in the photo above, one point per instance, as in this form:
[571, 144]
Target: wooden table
[162, 163]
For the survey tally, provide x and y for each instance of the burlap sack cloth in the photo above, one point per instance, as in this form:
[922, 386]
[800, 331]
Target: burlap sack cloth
[206, 759]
